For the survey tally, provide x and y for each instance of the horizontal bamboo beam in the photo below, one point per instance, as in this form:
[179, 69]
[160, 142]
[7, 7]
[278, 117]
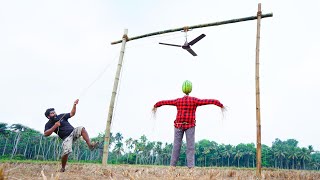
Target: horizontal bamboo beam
[195, 27]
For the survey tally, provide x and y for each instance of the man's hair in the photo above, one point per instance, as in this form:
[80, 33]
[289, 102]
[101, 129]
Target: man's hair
[47, 113]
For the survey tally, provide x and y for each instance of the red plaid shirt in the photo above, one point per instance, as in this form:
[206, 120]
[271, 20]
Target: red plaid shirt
[186, 106]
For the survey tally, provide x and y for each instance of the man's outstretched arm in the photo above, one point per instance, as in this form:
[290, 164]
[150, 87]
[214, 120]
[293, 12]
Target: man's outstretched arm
[74, 108]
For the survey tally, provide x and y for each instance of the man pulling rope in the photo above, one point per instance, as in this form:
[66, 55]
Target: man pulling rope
[61, 126]
[185, 122]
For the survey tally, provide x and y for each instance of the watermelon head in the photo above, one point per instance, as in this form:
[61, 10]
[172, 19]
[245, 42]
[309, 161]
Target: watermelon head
[187, 87]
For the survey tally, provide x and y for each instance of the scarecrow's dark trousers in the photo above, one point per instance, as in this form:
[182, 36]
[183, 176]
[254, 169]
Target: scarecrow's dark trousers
[178, 135]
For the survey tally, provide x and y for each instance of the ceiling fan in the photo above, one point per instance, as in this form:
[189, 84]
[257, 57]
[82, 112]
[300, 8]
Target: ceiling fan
[187, 45]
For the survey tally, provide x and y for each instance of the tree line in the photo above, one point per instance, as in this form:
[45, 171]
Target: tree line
[20, 142]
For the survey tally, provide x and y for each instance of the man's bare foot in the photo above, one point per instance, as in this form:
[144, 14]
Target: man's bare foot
[62, 170]
[94, 145]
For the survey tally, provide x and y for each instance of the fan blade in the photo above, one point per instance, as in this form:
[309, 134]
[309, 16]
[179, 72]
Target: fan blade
[191, 51]
[197, 39]
[169, 44]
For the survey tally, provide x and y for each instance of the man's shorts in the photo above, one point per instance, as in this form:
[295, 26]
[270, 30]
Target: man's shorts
[67, 142]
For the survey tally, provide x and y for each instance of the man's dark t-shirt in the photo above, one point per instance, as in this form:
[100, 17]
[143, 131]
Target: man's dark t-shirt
[65, 128]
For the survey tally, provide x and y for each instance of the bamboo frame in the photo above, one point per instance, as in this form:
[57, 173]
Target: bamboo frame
[195, 27]
[113, 98]
[186, 28]
[258, 117]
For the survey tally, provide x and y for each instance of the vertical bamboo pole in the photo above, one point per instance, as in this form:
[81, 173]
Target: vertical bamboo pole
[258, 155]
[113, 97]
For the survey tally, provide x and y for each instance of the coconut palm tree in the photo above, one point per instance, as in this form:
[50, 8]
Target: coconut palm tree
[118, 137]
[118, 149]
[238, 154]
[4, 132]
[167, 153]
[18, 128]
[228, 152]
[149, 153]
[158, 151]
[304, 156]
[280, 154]
[136, 149]
[250, 152]
[129, 145]
[310, 148]
[206, 151]
[3, 127]
[293, 156]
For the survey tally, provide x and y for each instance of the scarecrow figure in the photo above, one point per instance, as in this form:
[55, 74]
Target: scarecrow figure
[185, 122]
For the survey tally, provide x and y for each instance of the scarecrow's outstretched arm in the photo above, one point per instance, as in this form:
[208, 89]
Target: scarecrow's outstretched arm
[209, 101]
[165, 102]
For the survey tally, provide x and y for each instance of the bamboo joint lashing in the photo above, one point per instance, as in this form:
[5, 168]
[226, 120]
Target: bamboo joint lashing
[259, 13]
[186, 28]
[125, 37]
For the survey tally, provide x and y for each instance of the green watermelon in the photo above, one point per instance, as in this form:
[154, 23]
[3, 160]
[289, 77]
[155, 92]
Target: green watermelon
[187, 87]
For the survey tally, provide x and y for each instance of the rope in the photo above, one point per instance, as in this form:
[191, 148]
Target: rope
[84, 91]
[97, 78]
[57, 147]
[116, 100]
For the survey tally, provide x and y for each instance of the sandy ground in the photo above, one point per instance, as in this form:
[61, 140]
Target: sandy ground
[130, 172]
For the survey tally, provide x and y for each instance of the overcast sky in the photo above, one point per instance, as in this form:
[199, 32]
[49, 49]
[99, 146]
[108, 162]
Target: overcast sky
[52, 51]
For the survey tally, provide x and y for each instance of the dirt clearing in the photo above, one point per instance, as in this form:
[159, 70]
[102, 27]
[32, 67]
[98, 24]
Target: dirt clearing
[130, 172]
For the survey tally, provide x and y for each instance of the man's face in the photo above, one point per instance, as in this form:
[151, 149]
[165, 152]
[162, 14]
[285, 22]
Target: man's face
[52, 114]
